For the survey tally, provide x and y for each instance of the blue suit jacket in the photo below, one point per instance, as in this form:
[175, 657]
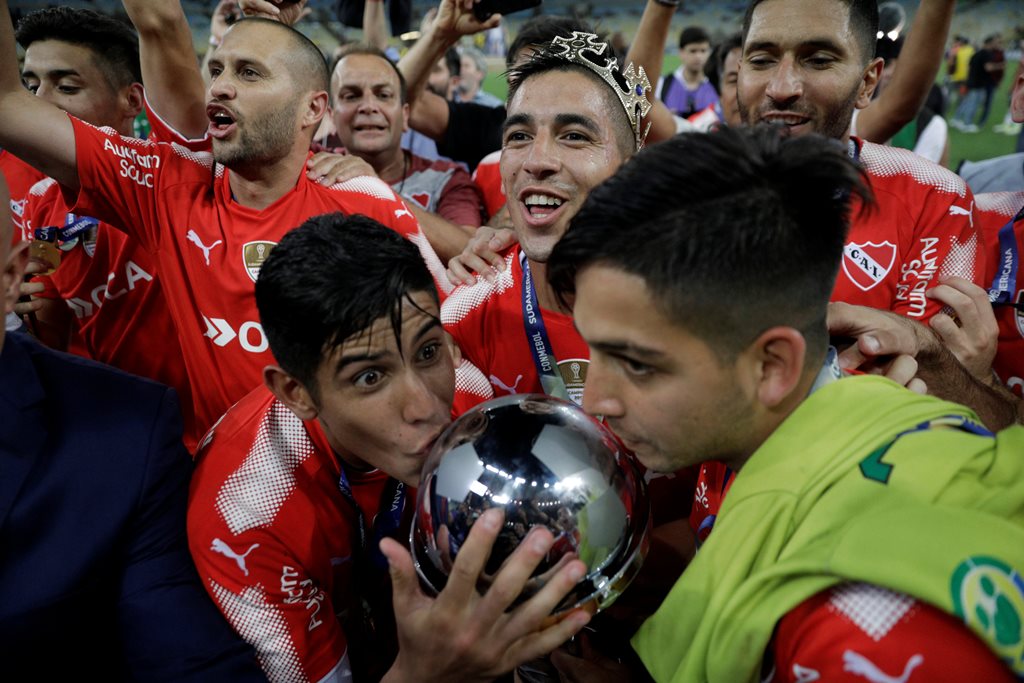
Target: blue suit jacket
[95, 574]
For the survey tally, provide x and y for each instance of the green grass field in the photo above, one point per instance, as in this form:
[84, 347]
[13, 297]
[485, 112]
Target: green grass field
[984, 144]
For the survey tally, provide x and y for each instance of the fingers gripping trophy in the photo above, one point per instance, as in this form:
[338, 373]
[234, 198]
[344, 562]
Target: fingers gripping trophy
[547, 464]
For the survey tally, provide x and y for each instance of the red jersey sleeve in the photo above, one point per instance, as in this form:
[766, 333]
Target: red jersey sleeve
[122, 180]
[860, 633]
[461, 200]
[255, 569]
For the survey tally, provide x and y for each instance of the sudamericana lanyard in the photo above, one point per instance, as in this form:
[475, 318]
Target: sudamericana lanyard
[537, 338]
[66, 237]
[386, 523]
[1005, 280]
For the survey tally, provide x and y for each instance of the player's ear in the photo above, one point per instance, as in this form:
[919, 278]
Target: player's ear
[776, 360]
[453, 349]
[132, 100]
[290, 392]
[317, 107]
[869, 81]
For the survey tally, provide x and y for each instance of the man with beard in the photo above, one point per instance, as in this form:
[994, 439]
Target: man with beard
[806, 66]
[209, 220]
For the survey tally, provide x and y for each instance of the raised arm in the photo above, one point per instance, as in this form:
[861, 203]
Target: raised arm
[648, 51]
[375, 26]
[915, 73]
[428, 111]
[32, 129]
[170, 70]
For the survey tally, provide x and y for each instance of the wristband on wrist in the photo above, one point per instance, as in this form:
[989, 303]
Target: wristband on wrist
[667, 3]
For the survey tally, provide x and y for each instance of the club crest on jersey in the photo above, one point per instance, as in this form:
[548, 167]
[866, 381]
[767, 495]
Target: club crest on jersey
[253, 256]
[574, 374]
[867, 264]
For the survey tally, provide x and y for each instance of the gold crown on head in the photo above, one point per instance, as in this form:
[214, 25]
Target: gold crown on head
[631, 85]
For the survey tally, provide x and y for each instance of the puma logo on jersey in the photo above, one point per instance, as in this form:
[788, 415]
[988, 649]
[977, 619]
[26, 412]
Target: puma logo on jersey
[194, 239]
[860, 665]
[501, 385]
[955, 210]
[402, 212]
[224, 549]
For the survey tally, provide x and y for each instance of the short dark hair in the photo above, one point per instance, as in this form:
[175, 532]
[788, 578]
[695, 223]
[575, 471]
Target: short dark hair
[309, 66]
[330, 279]
[364, 49]
[747, 236]
[113, 44]
[693, 34]
[863, 20]
[541, 30]
[544, 61]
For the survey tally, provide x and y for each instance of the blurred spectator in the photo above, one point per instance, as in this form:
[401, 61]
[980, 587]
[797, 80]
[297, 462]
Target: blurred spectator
[979, 83]
[473, 71]
[957, 60]
[687, 91]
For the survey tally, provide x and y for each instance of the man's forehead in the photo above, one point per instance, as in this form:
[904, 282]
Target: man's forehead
[379, 336]
[254, 39]
[543, 95]
[374, 66]
[786, 22]
[58, 55]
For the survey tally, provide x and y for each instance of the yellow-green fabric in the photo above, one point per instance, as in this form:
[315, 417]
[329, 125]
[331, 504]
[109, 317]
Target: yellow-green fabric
[838, 492]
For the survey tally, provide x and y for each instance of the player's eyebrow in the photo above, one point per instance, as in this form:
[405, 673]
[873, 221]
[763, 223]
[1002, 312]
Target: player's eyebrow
[622, 347]
[564, 120]
[516, 120]
[427, 328]
[54, 73]
[349, 359]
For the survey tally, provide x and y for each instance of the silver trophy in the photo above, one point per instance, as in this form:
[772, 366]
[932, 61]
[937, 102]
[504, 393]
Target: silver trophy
[547, 463]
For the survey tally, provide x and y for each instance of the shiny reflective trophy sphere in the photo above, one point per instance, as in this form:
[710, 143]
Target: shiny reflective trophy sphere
[547, 463]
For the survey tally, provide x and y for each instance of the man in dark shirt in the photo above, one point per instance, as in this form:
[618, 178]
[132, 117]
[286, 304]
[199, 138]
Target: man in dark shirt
[983, 65]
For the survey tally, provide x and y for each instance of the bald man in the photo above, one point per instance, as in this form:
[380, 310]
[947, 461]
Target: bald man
[209, 219]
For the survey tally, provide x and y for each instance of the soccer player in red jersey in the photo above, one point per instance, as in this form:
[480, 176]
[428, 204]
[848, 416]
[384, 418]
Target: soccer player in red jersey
[567, 130]
[209, 220]
[868, 533]
[106, 288]
[299, 483]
